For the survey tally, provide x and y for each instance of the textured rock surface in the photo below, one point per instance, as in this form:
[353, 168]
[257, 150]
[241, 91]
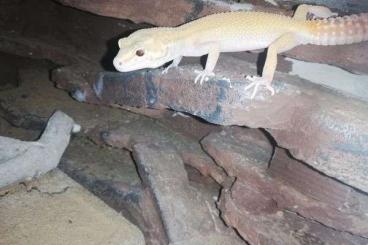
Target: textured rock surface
[58, 210]
[172, 12]
[283, 194]
[21, 160]
[111, 175]
[320, 127]
[108, 172]
[347, 6]
[104, 170]
[63, 35]
[134, 132]
[189, 10]
[187, 215]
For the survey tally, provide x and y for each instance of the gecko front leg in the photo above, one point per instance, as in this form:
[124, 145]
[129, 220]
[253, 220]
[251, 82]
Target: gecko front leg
[212, 58]
[285, 42]
[175, 63]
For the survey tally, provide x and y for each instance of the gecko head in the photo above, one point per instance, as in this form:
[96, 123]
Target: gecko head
[142, 49]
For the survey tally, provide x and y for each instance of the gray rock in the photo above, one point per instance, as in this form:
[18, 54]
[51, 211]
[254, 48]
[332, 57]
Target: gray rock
[20, 160]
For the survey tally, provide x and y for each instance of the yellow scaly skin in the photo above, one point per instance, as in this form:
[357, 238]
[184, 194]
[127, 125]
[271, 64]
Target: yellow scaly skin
[235, 32]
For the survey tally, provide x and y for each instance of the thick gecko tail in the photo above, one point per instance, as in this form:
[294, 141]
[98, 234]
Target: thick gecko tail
[339, 30]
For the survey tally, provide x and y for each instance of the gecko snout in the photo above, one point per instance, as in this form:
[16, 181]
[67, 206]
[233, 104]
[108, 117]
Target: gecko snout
[117, 64]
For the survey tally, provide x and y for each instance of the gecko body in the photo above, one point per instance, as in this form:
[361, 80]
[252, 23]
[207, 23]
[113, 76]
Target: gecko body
[236, 32]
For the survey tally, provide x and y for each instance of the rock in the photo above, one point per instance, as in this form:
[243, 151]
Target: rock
[58, 210]
[187, 215]
[314, 127]
[21, 161]
[60, 34]
[189, 10]
[111, 175]
[282, 227]
[108, 172]
[283, 194]
[172, 12]
[348, 57]
[346, 6]
[130, 133]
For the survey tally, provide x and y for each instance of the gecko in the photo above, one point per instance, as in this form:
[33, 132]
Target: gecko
[236, 32]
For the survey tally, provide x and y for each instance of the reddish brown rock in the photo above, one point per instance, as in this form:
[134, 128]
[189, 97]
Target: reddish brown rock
[111, 175]
[263, 192]
[348, 57]
[281, 227]
[133, 132]
[172, 12]
[175, 12]
[314, 126]
[188, 216]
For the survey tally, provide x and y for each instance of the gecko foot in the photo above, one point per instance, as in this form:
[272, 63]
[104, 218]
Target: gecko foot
[256, 82]
[202, 76]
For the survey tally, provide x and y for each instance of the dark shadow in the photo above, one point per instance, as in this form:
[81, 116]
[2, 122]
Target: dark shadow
[261, 61]
[112, 50]
[203, 60]
[272, 141]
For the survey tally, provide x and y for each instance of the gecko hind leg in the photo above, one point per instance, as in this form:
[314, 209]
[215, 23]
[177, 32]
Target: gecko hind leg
[285, 42]
[303, 11]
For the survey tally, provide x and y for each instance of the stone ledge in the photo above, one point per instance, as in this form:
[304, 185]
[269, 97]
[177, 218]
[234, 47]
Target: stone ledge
[318, 125]
[282, 200]
[58, 210]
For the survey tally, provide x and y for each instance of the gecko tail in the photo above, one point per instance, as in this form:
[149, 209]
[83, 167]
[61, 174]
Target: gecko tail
[339, 30]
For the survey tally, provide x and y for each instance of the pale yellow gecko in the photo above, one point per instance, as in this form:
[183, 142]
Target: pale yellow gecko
[235, 32]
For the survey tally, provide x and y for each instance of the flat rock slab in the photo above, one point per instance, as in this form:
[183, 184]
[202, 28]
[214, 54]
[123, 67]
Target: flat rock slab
[187, 217]
[172, 12]
[110, 174]
[146, 130]
[283, 201]
[188, 10]
[57, 210]
[318, 125]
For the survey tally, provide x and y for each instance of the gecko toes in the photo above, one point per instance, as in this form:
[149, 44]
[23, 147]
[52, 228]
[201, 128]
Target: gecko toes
[202, 76]
[256, 82]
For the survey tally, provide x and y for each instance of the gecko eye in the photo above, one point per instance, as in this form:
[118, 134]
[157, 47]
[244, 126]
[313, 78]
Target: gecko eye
[139, 52]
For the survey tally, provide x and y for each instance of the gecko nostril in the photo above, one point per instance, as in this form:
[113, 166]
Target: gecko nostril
[120, 63]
